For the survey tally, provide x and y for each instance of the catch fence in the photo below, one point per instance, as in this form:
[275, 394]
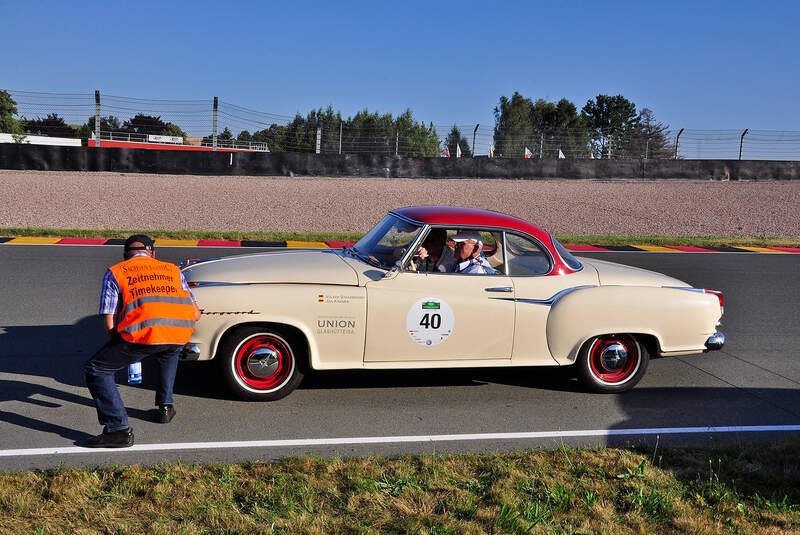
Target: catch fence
[208, 124]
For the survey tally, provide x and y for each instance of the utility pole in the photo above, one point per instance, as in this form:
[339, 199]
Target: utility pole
[396, 141]
[97, 119]
[474, 133]
[319, 137]
[214, 126]
[340, 137]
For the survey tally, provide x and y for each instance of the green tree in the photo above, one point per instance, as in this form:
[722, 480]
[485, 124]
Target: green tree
[543, 127]
[559, 127]
[107, 124]
[612, 120]
[650, 139]
[415, 140]
[143, 124]
[513, 130]
[365, 132]
[244, 136]
[171, 129]
[52, 125]
[455, 137]
[8, 109]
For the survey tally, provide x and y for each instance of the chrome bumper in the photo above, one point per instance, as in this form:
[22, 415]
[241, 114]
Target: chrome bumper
[715, 342]
[190, 352]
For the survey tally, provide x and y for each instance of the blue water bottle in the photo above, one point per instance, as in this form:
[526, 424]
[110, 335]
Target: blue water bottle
[135, 373]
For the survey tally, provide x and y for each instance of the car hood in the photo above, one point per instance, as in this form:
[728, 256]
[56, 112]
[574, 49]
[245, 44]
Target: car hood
[285, 266]
[611, 274]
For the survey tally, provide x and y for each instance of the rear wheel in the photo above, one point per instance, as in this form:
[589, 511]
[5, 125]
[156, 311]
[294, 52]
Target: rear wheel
[260, 363]
[612, 363]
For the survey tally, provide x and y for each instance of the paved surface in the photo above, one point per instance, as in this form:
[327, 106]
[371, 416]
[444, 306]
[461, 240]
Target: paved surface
[48, 329]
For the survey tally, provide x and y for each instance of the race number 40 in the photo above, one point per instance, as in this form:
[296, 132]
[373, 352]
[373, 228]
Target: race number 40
[430, 321]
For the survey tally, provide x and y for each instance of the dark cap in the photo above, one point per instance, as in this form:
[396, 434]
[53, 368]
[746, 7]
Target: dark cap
[141, 238]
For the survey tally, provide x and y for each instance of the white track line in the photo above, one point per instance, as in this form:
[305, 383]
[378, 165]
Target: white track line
[411, 438]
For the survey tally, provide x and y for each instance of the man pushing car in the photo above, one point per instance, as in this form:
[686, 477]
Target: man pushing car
[148, 311]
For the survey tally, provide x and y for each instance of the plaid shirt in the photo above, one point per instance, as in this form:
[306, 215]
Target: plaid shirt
[110, 302]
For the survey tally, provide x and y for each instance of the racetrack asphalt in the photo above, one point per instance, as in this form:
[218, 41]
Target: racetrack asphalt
[49, 328]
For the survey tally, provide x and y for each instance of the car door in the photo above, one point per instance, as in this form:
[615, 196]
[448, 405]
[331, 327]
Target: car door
[529, 264]
[439, 318]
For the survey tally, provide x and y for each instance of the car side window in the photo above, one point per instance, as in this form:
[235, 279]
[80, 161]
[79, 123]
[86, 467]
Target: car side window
[525, 257]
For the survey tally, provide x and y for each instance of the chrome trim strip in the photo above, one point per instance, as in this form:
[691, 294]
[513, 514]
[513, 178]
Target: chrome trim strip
[546, 302]
[687, 288]
[499, 289]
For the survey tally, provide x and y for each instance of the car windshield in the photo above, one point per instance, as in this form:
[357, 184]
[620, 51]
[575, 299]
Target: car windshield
[387, 241]
[570, 260]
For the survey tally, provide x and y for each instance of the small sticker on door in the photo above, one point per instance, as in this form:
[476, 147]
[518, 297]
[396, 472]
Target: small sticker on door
[430, 321]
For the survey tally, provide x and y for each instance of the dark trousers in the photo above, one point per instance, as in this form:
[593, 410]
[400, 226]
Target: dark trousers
[115, 355]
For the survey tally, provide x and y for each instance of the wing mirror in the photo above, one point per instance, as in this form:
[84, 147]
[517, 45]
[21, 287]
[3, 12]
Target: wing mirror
[395, 269]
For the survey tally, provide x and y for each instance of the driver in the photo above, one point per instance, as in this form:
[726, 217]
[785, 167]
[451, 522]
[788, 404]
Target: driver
[434, 254]
[468, 255]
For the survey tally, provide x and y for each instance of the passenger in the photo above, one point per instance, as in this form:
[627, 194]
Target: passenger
[434, 254]
[468, 255]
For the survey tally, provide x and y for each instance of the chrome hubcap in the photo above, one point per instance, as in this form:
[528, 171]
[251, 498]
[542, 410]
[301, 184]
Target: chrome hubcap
[614, 357]
[263, 362]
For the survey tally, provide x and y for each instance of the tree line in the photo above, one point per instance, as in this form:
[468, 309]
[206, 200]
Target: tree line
[606, 127]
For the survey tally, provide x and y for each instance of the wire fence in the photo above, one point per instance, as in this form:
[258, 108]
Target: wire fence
[219, 124]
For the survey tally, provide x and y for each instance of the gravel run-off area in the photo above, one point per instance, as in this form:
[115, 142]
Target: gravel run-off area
[103, 200]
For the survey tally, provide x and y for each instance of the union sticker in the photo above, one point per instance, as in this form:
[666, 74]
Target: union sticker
[430, 321]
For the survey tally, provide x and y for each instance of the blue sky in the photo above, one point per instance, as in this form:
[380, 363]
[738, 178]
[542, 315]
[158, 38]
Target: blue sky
[698, 65]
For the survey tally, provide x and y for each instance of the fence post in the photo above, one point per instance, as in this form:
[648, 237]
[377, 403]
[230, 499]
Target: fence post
[214, 126]
[677, 142]
[741, 142]
[541, 145]
[319, 137]
[474, 133]
[97, 119]
[340, 137]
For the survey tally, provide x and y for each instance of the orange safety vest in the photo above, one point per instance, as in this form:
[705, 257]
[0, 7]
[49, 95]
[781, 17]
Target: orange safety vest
[155, 309]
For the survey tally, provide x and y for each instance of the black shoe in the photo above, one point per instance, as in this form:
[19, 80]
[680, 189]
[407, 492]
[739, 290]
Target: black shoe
[165, 413]
[115, 439]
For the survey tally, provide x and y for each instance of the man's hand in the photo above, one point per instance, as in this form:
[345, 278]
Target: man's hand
[422, 253]
[108, 324]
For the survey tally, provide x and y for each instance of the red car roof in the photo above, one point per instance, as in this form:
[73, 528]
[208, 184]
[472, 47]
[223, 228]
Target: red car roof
[454, 215]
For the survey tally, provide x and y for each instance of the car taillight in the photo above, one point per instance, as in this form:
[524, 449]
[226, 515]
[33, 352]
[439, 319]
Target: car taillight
[719, 296]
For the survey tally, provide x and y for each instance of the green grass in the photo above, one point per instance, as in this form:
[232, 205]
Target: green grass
[741, 488]
[697, 241]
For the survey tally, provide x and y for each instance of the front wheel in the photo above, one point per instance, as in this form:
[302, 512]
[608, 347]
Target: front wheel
[260, 364]
[611, 363]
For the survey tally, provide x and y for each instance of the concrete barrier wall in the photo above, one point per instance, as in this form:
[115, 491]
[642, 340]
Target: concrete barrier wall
[37, 157]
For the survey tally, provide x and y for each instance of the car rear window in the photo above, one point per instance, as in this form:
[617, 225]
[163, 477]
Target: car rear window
[573, 263]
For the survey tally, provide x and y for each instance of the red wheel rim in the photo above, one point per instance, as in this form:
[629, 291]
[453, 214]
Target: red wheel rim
[282, 368]
[606, 375]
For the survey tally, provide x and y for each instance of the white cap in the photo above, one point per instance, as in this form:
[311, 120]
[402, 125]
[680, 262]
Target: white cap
[466, 236]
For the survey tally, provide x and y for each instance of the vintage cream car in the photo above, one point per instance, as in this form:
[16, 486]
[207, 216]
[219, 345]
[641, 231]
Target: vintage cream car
[268, 317]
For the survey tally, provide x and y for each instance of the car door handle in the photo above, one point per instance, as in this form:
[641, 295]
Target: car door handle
[506, 289]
